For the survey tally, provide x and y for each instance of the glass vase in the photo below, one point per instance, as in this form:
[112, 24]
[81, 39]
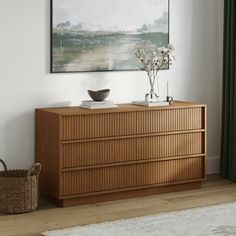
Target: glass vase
[153, 95]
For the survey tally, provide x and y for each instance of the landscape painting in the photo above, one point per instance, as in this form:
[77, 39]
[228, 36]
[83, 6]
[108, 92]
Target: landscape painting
[102, 35]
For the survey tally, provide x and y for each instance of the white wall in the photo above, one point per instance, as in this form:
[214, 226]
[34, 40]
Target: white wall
[25, 81]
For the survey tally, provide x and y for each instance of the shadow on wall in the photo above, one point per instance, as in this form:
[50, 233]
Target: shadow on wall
[47, 39]
[60, 104]
[19, 140]
[210, 76]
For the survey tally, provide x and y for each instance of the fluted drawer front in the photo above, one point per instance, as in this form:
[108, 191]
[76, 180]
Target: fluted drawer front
[98, 152]
[98, 125]
[168, 120]
[170, 171]
[98, 180]
[170, 145]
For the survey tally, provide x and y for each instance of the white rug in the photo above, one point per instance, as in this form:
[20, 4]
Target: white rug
[219, 220]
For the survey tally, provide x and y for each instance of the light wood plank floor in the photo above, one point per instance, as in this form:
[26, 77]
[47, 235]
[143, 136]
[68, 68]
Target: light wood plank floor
[214, 191]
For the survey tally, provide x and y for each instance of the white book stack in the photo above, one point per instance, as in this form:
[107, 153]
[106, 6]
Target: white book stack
[90, 104]
[151, 104]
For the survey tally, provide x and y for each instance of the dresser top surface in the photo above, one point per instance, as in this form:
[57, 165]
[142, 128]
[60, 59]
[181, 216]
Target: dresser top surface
[75, 110]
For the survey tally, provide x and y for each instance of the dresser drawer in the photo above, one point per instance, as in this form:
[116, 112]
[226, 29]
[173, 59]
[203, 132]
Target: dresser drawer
[170, 145]
[170, 171]
[98, 125]
[98, 179]
[98, 152]
[167, 120]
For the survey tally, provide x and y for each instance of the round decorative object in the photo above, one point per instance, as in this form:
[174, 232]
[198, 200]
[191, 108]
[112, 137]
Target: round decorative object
[99, 95]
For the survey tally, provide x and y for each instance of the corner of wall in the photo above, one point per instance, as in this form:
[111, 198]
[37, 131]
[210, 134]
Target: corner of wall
[213, 165]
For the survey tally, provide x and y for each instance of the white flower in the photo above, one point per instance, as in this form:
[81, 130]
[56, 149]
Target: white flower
[161, 50]
[165, 60]
[153, 62]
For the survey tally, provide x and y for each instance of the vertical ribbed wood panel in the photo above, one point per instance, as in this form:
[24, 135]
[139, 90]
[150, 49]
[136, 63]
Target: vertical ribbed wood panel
[99, 152]
[167, 120]
[170, 171]
[99, 125]
[97, 180]
[88, 153]
[169, 145]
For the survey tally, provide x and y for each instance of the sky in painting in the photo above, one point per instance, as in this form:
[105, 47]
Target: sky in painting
[108, 14]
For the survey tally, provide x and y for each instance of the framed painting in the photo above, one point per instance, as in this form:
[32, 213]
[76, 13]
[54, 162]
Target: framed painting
[102, 35]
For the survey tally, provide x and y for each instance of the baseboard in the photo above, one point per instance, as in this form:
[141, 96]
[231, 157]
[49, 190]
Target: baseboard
[213, 165]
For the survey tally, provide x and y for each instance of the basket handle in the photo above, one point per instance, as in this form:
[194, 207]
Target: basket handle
[36, 168]
[4, 165]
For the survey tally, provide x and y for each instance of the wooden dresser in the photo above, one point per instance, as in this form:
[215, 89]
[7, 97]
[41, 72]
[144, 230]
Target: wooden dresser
[99, 155]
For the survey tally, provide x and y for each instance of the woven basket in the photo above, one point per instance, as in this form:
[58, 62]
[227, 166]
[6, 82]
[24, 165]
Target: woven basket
[19, 189]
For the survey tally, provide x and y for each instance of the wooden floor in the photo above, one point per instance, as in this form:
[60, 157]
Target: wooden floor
[214, 191]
